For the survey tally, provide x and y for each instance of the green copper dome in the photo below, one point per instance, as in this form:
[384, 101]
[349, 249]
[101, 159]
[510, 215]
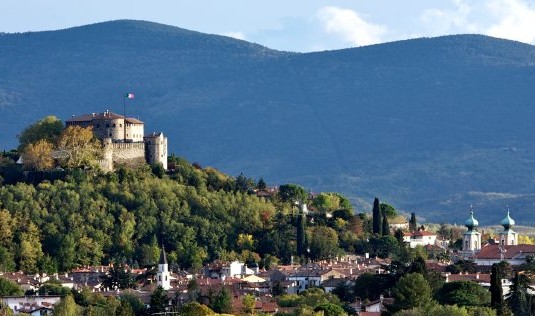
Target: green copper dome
[508, 222]
[471, 222]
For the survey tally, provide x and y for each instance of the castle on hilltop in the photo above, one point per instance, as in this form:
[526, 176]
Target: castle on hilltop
[123, 139]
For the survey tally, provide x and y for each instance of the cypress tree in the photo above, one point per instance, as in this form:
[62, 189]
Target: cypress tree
[496, 292]
[386, 226]
[519, 301]
[300, 236]
[377, 218]
[413, 226]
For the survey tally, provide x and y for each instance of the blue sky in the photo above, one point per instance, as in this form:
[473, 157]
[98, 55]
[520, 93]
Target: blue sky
[295, 25]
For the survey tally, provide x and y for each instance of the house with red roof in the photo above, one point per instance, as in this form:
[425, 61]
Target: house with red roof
[421, 237]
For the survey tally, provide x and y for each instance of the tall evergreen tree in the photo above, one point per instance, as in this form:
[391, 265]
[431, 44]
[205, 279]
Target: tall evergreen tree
[377, 218]
[386, 226]
[496, 291]
[301, 235]
[261, 184]
[518, 299]
[222, 302]
[413, 226]
[158, 300]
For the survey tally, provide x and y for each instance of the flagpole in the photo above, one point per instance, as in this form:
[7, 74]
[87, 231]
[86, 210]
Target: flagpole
[124, 117]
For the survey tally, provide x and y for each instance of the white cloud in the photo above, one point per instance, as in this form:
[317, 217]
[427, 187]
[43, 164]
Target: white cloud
[516, 20]
[447, 21]
[350, 26]
[236, 35]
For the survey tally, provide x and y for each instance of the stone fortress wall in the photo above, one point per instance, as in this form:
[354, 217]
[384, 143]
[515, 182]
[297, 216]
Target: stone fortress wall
[132, 150]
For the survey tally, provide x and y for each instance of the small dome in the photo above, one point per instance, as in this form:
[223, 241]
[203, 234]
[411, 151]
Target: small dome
[508, 222]
[471, 222]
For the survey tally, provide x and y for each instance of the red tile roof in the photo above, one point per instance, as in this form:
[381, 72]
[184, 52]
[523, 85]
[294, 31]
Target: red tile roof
[420, 233]
[100, 116]
[476, 277]
[493, 251]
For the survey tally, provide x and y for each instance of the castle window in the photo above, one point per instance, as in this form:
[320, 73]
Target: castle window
[120, 125]
[113, 125]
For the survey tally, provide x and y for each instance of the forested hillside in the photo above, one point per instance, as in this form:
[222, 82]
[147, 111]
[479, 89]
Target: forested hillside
[433, 125]
[199, 214]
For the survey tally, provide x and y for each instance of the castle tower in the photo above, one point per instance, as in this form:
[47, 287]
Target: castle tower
[472, 238]
[156, 149]
[163, 275]
[508, 236]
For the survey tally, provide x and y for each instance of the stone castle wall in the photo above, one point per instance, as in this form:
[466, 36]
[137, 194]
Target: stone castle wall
[130, 154]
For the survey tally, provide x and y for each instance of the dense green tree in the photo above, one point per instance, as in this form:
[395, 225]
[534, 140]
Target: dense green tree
[248, 302]
[9, 288]
[413, 226]
[48, 129]
[398, 234]
[330, 309]
[323, 243]
[243, 184]
[496, 290]
[462, 266]
[133, 301]
[118, 277]
[388, 210]
[410, 291]
[30, 248]
[158, 301]
[345, 292]
[377, 217]
[222, 302]
[195, 309]
[463, 293]
[518, 299]
[52, 288]
[261, 184]
[386, 227]
[301, 235]
[66, 307]
[124, 309]
[5, 310]
[293, 193]
[371, 286]
[7, 261]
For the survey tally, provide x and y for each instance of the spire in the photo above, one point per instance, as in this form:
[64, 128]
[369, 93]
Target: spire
[508, 222]
[163, 256]
[471, 222]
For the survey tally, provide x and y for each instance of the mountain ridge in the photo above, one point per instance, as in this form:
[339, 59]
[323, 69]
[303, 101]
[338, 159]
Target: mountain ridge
[420, 123]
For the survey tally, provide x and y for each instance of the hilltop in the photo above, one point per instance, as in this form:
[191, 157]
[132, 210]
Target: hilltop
[430, 125]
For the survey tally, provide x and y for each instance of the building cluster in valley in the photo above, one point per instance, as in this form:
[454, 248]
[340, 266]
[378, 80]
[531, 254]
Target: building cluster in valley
[123, 139]
[240, 279]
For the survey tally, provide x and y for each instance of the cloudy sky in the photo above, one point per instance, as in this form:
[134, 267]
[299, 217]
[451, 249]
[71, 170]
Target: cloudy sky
[295, 25]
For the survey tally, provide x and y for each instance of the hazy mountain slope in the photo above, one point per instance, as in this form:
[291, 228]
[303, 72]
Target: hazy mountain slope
[429, 125]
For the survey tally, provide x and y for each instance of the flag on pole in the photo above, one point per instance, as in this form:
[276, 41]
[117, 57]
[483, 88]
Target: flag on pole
[129, 95]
